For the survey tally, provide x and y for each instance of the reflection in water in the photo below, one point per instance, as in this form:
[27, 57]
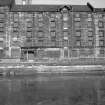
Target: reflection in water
[52, 90]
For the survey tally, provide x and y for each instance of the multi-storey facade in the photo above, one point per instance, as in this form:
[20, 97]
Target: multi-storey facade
[30, 32]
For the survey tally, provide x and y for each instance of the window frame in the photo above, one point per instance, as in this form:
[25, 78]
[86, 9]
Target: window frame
[77, 24]
[79, 42]
[102, 42]
[102, 32]
[89, 24]
[78, 31]
[77, 15]
[92, 43]
[52, 24]
[102, 24]
[65, 25]
[90, 35]
[40, 34]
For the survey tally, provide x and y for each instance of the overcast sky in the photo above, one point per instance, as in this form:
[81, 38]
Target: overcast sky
[95, 3]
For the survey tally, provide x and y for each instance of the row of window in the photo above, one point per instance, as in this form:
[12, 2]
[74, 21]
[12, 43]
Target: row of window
[78, 15]
[53, 24]
[53, 33]
[78, 24]
[65, 24]
[66, 42]
[78, 33]
[79, 43]
[65, 33]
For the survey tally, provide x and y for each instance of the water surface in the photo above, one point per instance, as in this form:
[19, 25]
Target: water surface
[53, 89]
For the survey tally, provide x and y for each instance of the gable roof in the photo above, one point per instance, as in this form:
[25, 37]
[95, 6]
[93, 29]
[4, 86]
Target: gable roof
[51, 8]
[81, 8]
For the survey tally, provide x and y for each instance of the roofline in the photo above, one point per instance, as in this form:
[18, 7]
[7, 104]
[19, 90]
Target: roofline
[90, 6]
[12, 4]
[57, 9]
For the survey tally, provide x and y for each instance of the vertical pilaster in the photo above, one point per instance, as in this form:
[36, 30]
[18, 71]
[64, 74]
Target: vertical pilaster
[96, 36]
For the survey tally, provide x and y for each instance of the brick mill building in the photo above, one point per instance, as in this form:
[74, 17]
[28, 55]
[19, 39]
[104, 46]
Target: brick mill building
[51, 32]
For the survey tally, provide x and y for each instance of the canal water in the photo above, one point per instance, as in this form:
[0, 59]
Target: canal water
[52, 89]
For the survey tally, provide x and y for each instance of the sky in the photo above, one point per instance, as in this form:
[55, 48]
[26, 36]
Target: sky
[95, 3]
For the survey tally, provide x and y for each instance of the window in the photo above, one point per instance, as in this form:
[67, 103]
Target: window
[53, 39]
[100, 15]
[90, 43]
[101, 43]
[15, 29]
[90, 34]
[2, 15]
[1, 44]
[89, 15]
[65, 16]
[78, 33]
[58, 15]
[90, 38]
[52, 24]
[16, 17]
[64, 9]
[29, 34]
[1, 34]
[89, 19]
[40, 40]
[2, 29]
[40, 24]
[1, 24]
[65, 34]
[29, 40]
[65, 25]
[77, 24]
[40, 17]
[15, 24]
[102, 51]
[29, 29]
[89, 24]
[15, 34]
[29, 15]
[52, 17]
[53, 33]
[101, 24]
[78, 43]
[77, 15]
[77, 19]
[66, 43]
[29, 24]
[101, 33]
[40, 34]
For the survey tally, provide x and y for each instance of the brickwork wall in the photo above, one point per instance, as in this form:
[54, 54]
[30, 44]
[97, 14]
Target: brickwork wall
[76, 34]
